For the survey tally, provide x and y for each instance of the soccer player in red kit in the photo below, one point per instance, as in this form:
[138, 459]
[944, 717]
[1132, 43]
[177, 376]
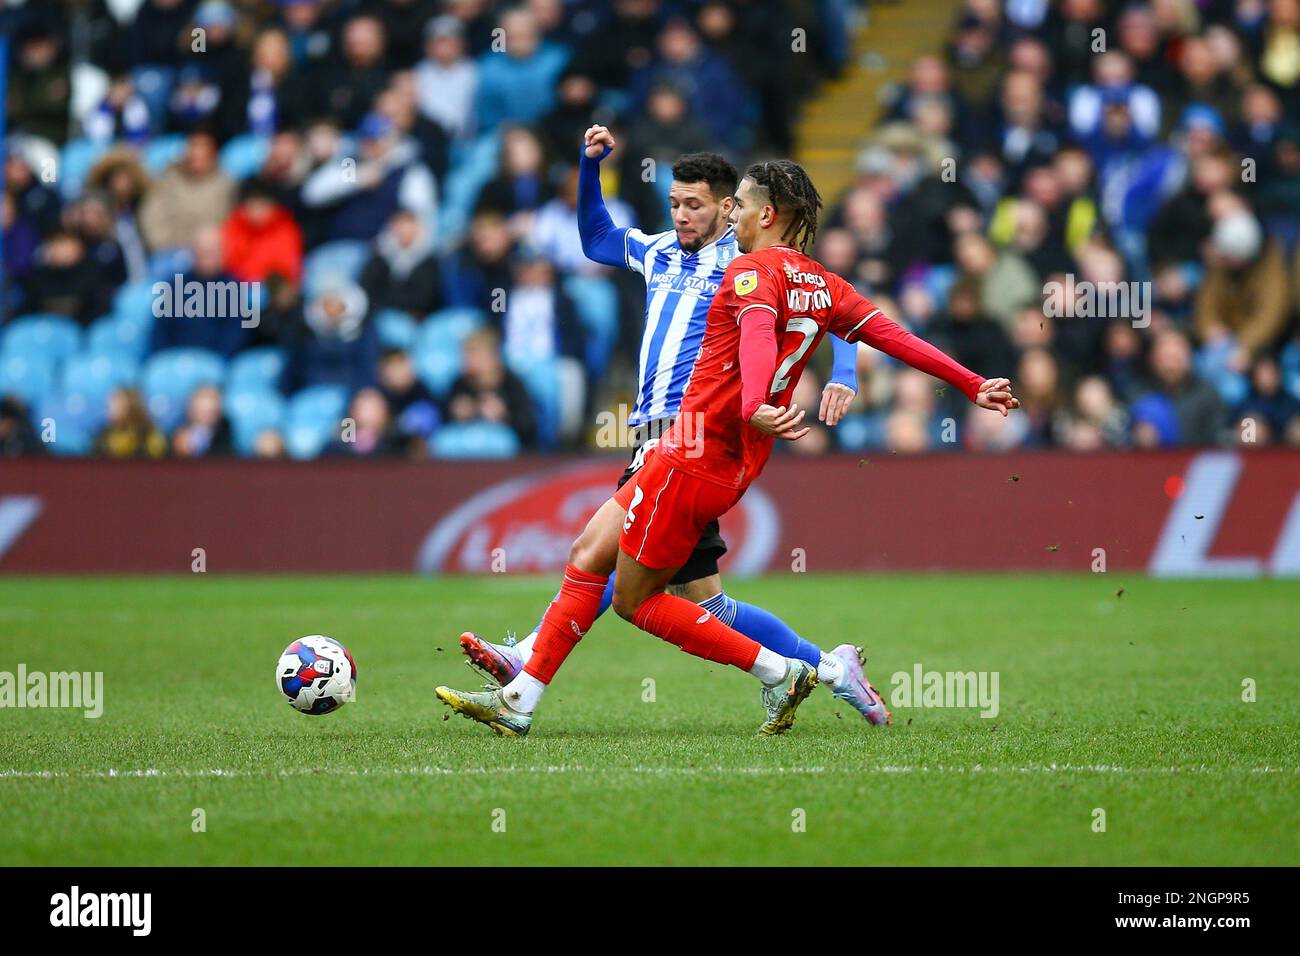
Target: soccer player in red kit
[774, 306]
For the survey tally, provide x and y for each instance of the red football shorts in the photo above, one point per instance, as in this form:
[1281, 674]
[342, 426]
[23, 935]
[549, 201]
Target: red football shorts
[667, 511]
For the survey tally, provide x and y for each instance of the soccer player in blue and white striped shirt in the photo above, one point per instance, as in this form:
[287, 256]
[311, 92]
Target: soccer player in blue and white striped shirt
[683, 269]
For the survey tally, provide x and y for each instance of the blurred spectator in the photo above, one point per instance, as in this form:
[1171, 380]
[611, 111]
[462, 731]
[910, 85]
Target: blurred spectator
[119, 175]
[971, 337]
[193, 194]
[1268, 401]
[540, 321]
[17, 434]
[39, 82]
[1198, 413]
[92, 220]
[520, 185]
[339, 346]
[123, 114]
[416, 415]
[270, 96]
[269, 443]
[360, 195]
[1244, 298]
[347, 90]
[20, 242]
[488, 391]
[35, 200]
[209, 315]
[366, 432]
[716, 96]
[205, 431]
[403, 271]
[1096, 420]
[519, 86]
[129, 432]
[482, 266]
[447, 79]
[261, 238]
[66, 282]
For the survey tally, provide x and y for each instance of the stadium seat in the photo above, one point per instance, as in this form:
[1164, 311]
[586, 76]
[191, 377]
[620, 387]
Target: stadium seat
[596, 299]
[162, 151]
[474, 440]
[313, 419]
[342, 258]
[76, 159]
[244, 155]
[472, 165]
[437, 367]
[113, 333]
[171, 375]
[542, 379]
[93, 375]
[75, 420]
[251, 411]
[51, 336]
[134, 300]
[450, 327]
[31, 378]
[258, 368]
[166, 264]
[396, 329]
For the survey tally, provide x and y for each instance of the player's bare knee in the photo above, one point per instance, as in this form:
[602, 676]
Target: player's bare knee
[625, 605]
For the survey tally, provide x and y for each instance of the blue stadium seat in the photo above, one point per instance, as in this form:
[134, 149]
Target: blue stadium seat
[251, 411]
[474, 440]
[543, 381]
[113, 334]
[597, 302]
[343, 257]
[93, 375]
[31, 378]
[171, 375]
[161, 151]
[450, 327]
[313, 419]
[244, 155]
[51, 336]
[396, 329]
[473, 164]
[76, 159]
[134, 300]
[75, 419]
[437, 363]
[166, 264]
[258, 368]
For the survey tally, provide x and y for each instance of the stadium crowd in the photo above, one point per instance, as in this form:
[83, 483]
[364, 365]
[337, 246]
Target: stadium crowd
[376, 203]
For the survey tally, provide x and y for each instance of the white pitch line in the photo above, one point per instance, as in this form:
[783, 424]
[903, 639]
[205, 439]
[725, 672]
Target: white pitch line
[977, 769]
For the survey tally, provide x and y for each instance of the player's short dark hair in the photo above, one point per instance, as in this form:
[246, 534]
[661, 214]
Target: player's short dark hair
[708, 168]
[789, 189]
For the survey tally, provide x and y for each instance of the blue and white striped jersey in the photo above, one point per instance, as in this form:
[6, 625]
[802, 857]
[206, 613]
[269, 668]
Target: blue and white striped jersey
[679, 290]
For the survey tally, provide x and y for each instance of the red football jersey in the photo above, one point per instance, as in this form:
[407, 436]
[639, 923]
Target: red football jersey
[779, 293]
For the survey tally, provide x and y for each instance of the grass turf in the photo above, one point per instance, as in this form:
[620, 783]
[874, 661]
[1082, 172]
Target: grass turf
[1132, 704]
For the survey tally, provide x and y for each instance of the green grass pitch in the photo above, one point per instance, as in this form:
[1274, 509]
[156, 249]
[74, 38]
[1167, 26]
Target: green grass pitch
[1131, 704]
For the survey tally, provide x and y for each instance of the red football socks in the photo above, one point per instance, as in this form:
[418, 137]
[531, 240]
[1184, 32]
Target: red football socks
[569, 617]
[696, 631]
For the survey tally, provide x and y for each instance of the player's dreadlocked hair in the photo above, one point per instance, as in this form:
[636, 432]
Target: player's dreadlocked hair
[789, 189]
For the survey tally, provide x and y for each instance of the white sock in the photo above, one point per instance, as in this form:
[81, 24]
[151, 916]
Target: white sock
[523, 693]
[769, 667]
[524, 649]
[831, 671]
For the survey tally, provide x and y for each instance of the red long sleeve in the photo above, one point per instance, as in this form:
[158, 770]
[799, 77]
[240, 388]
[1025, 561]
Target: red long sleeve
[884, 333]
[757, 357]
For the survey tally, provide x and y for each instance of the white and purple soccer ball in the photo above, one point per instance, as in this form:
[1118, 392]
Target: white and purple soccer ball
[316, 675]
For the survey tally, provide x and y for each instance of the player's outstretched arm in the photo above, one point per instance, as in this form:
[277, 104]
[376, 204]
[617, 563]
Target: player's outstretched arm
[882, 332]
[602, 241]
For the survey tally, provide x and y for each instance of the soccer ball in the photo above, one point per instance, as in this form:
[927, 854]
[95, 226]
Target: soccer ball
[316, 674]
